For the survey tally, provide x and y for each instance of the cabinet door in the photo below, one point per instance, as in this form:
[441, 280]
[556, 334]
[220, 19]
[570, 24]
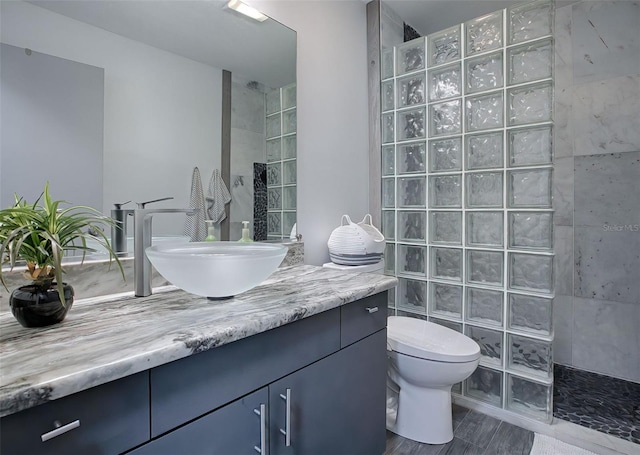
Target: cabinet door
[107, 419]
[336, 406]
[233, 429]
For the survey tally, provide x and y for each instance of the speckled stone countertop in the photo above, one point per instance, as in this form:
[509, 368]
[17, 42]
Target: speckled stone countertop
[103, 339]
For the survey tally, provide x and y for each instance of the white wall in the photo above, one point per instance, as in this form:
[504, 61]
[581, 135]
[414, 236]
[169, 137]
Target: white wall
[162, 112]
[332, 114]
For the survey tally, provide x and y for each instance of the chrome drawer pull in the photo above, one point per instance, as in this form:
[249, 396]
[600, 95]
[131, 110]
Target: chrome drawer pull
[263, 429]
[60, 430]
[287, 422]
[371, 309]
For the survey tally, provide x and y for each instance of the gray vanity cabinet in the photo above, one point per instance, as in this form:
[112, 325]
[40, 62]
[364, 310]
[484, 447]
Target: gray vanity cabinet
[107, 419]
[229, 400]
[237, 428]
[336, 406]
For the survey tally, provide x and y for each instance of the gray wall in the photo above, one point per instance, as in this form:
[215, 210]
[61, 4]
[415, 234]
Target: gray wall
[597, 188]
[333, 129]
[52, 128]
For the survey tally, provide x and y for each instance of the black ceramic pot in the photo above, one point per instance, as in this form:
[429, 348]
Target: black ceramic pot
[39, 306]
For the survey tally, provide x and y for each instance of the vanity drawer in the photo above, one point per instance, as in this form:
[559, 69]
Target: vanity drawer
[193, 386]
[107, 419]
[362, 318]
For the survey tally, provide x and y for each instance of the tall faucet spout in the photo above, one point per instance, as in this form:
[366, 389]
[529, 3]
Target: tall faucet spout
[141, 241]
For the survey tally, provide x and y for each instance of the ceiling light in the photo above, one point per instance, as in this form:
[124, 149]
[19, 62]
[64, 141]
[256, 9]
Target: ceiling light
[247, 10]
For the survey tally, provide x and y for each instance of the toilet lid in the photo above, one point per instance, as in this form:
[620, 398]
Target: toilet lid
[430, 341]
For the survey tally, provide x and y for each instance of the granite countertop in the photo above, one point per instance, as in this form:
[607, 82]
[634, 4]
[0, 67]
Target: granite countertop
[103, 339]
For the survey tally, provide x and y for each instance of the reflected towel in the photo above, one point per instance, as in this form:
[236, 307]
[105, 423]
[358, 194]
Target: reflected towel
[195, 227]
[217, 197]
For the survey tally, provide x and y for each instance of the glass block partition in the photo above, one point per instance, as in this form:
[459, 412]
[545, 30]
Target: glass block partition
[281, 161]
[466, 195]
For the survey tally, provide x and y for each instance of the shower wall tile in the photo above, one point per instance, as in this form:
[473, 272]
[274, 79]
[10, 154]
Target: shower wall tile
[563, 183]
[607, 189]
[563, 80]
[607, 264]
[606, 43]
[563, 60]
[251, 103]
[563, 260]
[563, 122]
[606, 337]
[563, 329]
[392, 30]
[251, 148]
[605, 116]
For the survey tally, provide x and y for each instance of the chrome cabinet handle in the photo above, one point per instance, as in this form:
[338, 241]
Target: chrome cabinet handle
[371, 309]
[60, 429]
[287, 422]
[263, 429]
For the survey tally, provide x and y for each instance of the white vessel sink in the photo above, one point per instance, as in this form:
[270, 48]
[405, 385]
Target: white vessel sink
[216, 269]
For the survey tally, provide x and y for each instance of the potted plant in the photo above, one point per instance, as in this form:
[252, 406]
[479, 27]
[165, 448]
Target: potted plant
[40, 234]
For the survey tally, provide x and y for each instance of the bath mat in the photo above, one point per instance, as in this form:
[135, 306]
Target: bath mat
[546, 445]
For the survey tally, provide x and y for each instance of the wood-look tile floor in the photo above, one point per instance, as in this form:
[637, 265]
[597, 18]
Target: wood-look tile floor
[473, 434]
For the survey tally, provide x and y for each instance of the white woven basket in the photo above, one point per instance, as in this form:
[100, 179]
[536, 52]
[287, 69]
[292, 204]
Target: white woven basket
[356, 244]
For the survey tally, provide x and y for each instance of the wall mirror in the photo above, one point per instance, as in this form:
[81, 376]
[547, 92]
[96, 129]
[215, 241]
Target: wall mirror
[120, 101]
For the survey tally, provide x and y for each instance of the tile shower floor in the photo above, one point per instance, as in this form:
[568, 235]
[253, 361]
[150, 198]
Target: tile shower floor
[602, 403]
[474, 434]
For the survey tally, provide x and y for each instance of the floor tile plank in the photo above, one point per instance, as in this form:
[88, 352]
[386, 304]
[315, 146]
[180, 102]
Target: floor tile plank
[510, 440]
[477, 429]
[397, 445]
[460, 447]
[458, 413]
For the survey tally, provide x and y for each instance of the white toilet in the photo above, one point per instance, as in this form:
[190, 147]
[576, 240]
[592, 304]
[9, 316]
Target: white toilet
[425, 360]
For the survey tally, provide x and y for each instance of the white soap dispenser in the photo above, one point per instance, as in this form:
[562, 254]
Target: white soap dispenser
[245, 233]
[211, 233]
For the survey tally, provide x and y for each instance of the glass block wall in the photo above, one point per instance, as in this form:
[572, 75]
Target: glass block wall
[466, 195]
[281, 161]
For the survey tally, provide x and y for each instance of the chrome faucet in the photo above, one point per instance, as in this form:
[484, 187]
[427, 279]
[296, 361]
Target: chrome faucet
[142, 205]
[142, 240]
[119, 229]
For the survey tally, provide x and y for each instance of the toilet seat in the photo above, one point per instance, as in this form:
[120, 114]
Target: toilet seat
[429, 341]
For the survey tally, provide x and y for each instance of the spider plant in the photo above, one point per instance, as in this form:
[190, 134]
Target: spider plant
[41, 233]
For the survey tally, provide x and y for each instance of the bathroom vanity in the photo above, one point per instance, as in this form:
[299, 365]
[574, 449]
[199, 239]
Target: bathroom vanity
[294, 366]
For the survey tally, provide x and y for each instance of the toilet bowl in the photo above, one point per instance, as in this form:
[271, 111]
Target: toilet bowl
[424, 361]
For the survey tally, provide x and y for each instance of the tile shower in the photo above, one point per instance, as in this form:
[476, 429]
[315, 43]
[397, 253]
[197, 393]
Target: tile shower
[467, 194]
[597, 216]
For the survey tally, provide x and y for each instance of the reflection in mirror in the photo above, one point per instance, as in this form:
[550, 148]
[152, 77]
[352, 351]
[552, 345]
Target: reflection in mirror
[120, 101]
